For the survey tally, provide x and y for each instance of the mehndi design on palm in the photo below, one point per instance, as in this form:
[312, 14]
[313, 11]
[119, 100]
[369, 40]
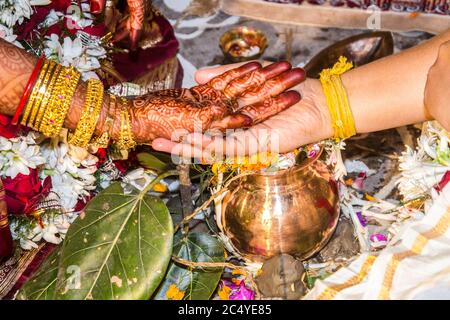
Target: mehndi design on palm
[238, 98]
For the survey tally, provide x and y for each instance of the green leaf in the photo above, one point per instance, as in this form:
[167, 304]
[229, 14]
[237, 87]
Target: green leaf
[42, 285]
[198, 284]
[122, 246]
[150, 161]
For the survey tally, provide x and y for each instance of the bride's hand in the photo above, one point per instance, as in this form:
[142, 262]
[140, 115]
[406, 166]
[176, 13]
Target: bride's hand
[240, 97]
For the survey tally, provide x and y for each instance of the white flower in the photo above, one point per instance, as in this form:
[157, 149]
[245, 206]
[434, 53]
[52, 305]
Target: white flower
[72, 173]
[52, 18]
[8, 35]
[21, 158]
[49, 233]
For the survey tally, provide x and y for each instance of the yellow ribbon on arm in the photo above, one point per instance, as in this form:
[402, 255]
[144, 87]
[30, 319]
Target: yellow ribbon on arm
[337, 100]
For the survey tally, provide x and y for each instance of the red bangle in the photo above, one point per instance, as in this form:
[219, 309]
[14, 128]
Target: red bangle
[27, 91]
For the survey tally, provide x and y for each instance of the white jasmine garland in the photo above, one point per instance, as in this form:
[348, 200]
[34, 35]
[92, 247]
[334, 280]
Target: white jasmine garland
[72, 178]
[19, 155]
[73, 53]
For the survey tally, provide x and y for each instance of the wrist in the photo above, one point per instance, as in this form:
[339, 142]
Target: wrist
[314, 97]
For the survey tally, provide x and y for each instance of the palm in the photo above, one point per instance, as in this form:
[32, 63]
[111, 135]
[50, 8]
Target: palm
[303, 123]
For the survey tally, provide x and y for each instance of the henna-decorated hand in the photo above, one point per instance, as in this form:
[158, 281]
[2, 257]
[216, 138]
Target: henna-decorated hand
[304, 122]
[238, 98]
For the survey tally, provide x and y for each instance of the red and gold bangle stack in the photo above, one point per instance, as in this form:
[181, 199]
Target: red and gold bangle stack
[27, 91]
[47, 98]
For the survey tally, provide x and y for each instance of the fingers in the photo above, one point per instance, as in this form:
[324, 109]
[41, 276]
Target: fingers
[233, 121]
[204, 75]
[271, 106]
[255, 78]
[221, 81]
[135, 35]
[258, 112]
[272, 87]
[182, 150]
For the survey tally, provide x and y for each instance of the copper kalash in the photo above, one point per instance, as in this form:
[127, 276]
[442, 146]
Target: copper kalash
[292, 211]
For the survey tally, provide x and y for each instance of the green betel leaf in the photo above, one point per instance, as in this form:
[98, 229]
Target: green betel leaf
[118, 249]
[42, 285]
[197, 283]
[151, 161]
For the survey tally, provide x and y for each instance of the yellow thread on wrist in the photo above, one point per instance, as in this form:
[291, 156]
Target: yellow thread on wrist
[337, 100]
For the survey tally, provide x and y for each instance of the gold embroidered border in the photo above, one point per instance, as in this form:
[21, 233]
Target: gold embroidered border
[330, 292]
[419, 243]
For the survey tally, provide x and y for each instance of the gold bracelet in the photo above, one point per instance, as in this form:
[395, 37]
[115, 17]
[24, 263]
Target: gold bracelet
[59, 103]
[45, 100]
[126, 139]
[35, 93]
[102, 141]
[42, 92]
[89, 115]
[337, 100]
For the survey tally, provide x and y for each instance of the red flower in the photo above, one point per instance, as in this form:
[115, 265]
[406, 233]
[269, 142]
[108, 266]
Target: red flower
[102, 156]
[24, 192]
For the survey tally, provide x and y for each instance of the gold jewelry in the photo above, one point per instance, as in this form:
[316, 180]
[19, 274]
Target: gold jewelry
[35, 93]
[126, 139]
[102, 141]
[43, 90]
[337, 100]
[59, 103]
[89, 115]
[46, 98]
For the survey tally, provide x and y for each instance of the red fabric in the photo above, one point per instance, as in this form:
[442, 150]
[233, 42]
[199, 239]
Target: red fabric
[6, 243]
[43, 253]
[143, 61]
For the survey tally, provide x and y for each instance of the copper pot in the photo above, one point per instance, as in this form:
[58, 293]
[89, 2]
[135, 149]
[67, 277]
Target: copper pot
[292, 211]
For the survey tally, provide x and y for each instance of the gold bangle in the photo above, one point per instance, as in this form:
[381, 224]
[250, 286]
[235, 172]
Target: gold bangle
[44, 88]
[89, 115]
[102, 141]
[126, 139]
[46, 98]
[337, 100]
[35, 93]
[59, 103]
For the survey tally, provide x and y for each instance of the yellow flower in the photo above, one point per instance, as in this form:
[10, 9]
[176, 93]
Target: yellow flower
[369, 197]
[224, 293]
[239, 272]
[160, 187]
[174, 293]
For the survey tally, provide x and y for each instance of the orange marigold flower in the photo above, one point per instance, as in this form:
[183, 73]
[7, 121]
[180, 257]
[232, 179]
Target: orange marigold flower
[173, 293]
